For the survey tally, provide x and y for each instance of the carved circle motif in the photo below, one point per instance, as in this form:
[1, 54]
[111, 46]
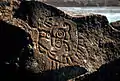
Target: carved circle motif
[63, 45]
[60, 41]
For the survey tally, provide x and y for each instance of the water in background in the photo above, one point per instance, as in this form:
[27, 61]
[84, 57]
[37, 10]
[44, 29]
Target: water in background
[112, 13]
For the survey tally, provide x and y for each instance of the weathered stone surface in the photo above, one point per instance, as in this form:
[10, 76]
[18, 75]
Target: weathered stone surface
[107, 72]
[97, 37]
[55, 37]
[49, 43]
[116, 25]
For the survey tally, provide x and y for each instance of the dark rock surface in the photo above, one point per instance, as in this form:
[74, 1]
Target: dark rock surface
[98, 39]
[116, 25]
[107, 72]
[41, 43]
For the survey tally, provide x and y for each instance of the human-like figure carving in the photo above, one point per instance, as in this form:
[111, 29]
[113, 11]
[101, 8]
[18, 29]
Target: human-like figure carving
[59, 42]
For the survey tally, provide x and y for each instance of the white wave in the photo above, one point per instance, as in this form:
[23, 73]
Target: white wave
[112, 13]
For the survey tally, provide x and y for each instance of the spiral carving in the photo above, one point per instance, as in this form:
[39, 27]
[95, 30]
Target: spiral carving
[62, 43]
[61, 46]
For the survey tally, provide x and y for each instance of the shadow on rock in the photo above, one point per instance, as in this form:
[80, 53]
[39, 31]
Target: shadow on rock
[13, 49]
[62, 74]
[107, 72]
[14, 53]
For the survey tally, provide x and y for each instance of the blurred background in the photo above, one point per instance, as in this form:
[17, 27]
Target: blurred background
[81, 3]
[109, 8]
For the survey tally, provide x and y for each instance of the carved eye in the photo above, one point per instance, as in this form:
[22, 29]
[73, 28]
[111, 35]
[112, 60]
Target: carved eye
[60, 33]
[66, 26]
[48, 35]
[43, 34]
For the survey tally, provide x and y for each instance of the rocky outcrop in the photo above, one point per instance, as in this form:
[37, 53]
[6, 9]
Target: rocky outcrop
[116, 25]
[43, 43]
[107, 72]
[97, 37]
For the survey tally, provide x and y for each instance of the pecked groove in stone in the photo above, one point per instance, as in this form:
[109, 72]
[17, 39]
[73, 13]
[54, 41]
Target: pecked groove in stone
[59, 41]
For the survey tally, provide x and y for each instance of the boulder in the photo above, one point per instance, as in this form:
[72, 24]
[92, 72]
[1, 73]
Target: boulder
[43, 43]
[107, 72]
[116, 25]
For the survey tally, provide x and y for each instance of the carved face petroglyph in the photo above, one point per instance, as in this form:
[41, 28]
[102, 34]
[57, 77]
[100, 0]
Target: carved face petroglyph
[59, 42]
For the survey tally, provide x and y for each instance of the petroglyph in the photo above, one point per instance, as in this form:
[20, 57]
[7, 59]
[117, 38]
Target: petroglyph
[59, 40]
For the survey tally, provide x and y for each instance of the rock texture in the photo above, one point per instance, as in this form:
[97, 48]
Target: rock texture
[116, 25]
[107, 72]
[43, 43]
[96, 36]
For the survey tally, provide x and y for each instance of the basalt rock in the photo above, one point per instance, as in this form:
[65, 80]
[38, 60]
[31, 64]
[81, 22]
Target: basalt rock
[107, 72]
[116, 25]
[44, 43]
